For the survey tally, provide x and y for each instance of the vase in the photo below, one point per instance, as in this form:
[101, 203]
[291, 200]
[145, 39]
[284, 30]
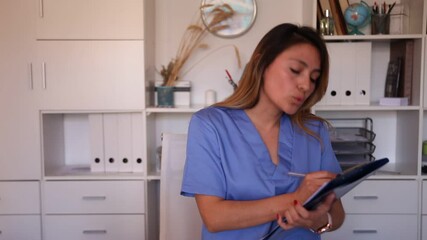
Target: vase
[165, 96]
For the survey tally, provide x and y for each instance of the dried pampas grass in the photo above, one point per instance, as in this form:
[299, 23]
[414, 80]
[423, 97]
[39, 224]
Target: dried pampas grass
[192, 40]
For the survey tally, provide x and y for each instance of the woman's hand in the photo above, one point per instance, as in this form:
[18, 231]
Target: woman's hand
[298, 216]
[310, 184]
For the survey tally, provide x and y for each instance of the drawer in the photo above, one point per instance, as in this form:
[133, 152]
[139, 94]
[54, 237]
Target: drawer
[424, 228]
[20, 227]
[375, 227]
[92, 197]
[87, 227]
[383, 196]
[19, 198]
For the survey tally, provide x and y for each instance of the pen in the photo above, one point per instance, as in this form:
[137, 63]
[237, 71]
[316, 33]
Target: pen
[230, 79]
[295, 174]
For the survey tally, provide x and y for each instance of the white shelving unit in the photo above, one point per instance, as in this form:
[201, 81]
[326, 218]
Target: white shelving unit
[104, 64]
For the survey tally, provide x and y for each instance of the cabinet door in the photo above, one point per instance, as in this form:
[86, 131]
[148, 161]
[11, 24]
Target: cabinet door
[91, 74]
[90, 19]
[19, 198]
[19, 125]
[22, 227]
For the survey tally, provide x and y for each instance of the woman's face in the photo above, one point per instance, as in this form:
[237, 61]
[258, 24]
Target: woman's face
[291, 78]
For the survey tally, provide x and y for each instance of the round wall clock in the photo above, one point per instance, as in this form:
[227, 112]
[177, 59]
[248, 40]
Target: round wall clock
[242, 20]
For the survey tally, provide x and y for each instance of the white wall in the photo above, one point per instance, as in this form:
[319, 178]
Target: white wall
[173, 16]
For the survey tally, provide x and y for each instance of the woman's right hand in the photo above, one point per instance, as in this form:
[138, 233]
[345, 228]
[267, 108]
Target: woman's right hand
[311, 182]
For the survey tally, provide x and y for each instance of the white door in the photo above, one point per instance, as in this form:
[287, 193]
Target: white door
[19, 122]
[90, 74]
[90, 19]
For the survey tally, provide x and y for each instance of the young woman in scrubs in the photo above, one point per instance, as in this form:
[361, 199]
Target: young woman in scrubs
[240, 151]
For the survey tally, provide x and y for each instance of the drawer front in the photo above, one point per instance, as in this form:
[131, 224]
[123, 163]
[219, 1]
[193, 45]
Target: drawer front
[376, 227]
[20, 227]
[97, 227]
[19, 198]
[66, 197]
[424, 228]
[383, 196]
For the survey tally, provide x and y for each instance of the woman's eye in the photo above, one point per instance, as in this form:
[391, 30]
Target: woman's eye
[295, 71]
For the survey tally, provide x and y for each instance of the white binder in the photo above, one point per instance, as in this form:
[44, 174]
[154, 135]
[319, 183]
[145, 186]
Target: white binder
[138, 143]
[124, 142]
[96, 135]
[111, 142]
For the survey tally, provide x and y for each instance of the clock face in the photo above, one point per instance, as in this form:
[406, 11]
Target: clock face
[241, 21]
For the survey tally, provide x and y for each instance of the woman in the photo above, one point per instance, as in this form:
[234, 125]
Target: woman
[240, 151]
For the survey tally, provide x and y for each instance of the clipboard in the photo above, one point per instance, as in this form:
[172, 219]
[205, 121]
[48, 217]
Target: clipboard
[340, 185]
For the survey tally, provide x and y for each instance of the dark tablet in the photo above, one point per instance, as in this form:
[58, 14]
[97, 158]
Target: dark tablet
[341, 185]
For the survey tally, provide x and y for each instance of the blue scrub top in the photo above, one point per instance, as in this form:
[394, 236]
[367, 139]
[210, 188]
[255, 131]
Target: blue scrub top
[227, 158]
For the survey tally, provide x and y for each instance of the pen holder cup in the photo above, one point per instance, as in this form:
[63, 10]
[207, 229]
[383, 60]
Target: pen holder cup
[380, 24]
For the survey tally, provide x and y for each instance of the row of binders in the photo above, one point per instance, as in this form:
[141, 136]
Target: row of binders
[349, 74]
[116, 142]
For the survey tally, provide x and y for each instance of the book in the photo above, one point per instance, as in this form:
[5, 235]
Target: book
[404, 49]
[340, 185]
[393, 78]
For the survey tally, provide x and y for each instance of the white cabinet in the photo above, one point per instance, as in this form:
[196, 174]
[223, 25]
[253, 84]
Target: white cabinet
[90, 74]
[90, 19]
[19, 138]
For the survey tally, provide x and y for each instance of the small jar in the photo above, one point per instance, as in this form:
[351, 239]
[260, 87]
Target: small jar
[327, 24]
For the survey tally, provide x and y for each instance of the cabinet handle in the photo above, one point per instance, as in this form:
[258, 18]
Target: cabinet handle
[31, 76]
[94, 231]
[365, 197]
[356, 231]
[94, 197]
[44, 75]
[41, 13]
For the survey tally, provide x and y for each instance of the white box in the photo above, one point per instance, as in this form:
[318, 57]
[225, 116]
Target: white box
[181, 94]
[390, 101]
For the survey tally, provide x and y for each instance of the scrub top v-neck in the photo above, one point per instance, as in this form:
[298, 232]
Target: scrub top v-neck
[227, 158]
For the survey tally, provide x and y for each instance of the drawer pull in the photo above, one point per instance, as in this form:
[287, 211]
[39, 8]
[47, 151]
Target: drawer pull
[356, 231]
[94, 197]
[94, 231]
[365, 197]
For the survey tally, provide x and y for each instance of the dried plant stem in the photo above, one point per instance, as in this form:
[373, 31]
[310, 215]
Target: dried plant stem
[193, 37]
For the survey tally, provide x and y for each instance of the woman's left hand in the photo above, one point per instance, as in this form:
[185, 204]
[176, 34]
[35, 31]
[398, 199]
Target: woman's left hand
[298, 216]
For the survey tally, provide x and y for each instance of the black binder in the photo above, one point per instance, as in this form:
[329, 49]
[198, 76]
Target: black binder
[341, 185]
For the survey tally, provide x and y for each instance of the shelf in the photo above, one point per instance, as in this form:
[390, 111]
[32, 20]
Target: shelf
[82, 172]
[178, 109]
[378, 37]
[365, 108]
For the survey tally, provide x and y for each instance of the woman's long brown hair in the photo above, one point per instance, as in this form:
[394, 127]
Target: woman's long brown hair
[271, 45]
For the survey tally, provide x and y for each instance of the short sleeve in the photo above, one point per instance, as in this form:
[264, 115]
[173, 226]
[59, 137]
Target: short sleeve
[203, 172]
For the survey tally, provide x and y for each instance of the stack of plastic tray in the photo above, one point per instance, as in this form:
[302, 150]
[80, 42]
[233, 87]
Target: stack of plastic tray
[352, 140]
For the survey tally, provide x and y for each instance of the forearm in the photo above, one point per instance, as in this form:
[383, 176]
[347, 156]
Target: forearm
[337, 214]
[220, 215]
